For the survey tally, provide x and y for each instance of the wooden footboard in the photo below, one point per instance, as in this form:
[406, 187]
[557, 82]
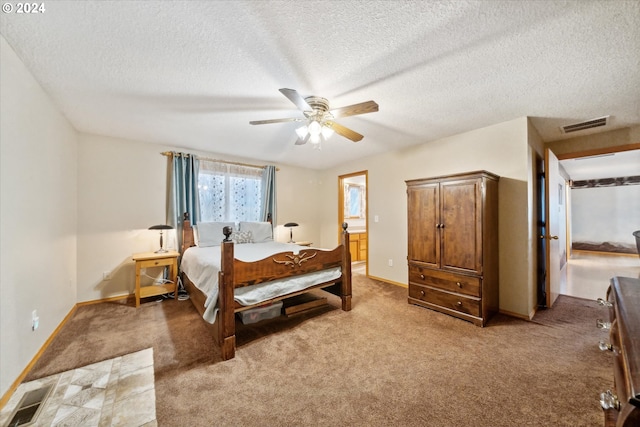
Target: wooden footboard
[235, 274]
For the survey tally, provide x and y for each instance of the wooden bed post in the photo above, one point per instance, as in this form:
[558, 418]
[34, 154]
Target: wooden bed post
[226, 315]
[187, 233]
[345, 286]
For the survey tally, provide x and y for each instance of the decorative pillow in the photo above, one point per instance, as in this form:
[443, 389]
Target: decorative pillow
[210, 233]
[242, 237]
[261, 231]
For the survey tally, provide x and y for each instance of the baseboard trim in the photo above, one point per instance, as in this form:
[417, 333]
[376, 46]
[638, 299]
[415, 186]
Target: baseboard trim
[391, 282]
[5, 398]
[517, 315]
[128, 297]
[587, 252]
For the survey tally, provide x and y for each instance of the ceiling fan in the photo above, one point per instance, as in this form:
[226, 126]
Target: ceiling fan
[319, 119]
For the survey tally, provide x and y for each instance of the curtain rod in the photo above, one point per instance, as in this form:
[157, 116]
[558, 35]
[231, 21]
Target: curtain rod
[170, 153]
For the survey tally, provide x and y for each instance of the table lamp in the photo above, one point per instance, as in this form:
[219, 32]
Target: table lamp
[289, 225]
[161, 227]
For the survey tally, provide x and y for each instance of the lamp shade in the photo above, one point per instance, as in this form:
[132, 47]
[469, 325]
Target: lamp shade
[161, 227]
[291, 224]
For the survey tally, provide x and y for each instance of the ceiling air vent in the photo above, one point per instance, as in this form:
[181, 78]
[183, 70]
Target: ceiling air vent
[589, 124]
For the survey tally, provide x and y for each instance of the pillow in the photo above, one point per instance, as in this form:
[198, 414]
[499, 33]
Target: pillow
[210, 233]
[261, 231]
[242, 237]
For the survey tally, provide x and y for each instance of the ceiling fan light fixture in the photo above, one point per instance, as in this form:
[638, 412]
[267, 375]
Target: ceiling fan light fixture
[315, 129]
[302, 131]
[319, 118]
[314, 138]
[327, 132]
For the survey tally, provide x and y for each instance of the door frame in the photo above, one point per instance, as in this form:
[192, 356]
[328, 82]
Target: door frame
[341, 181]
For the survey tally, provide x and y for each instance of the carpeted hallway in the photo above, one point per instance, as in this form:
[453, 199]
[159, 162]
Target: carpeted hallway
[384, 363]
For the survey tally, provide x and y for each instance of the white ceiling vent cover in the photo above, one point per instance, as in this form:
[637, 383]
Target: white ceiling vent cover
[589, 124]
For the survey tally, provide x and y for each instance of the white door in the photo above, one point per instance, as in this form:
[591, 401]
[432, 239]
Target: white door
[555, 239]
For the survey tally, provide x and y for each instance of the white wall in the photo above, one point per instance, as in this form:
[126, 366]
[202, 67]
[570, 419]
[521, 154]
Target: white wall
[38, 202]
[122, 187]
[502, 149]
[605, 214]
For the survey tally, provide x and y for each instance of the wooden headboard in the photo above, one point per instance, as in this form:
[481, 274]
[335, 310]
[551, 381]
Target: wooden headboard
[188, 239]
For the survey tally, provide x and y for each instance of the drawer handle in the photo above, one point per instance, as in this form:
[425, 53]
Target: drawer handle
[459, 303]
[604, 303]
[459, 284]
[605, 346]
[422, 293]
[422, 276]
[608, 400]
[601, 324]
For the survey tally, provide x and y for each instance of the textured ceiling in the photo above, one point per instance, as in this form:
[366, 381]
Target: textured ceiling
[193, 74]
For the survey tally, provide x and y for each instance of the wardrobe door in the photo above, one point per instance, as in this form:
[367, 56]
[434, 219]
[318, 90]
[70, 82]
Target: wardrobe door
[423, 217]
[461, 229]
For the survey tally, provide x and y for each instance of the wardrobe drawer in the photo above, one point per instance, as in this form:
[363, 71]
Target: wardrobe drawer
[444, 280]
[448, 300]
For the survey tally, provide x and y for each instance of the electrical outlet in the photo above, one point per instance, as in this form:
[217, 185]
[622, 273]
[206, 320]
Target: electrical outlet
[390, 262]
[106, 275]
[35, 320]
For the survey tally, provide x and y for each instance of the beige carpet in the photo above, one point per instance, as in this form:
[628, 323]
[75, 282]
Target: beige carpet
[115, 392]
[383, 363]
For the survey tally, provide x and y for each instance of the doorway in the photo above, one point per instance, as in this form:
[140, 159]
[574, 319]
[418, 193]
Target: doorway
[580, 266]
[353, 209]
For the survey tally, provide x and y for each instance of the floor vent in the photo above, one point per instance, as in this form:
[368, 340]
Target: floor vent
[589, 124]
[29, 407]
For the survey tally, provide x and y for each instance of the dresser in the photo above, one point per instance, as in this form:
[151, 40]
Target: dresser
[622, 404]
[453, 244]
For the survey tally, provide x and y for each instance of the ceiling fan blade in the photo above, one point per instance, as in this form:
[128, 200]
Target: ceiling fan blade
[303, 141]
[266, 122]
[346, 132]
[295, 97]
[352, 110]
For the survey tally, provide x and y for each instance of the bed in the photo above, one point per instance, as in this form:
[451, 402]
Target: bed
[236, 273]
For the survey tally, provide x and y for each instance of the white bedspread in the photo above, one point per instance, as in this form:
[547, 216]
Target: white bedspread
[202, 265]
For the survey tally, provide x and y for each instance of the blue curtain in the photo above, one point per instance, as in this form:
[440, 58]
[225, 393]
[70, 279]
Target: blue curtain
[269, 193]
[183, 191]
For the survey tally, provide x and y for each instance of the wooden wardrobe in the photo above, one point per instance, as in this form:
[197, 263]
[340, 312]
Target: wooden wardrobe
[453, 244]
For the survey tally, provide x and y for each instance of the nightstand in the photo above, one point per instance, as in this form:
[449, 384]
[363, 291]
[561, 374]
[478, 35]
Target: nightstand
[153, 259]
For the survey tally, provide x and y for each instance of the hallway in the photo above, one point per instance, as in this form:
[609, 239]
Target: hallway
[588, 274]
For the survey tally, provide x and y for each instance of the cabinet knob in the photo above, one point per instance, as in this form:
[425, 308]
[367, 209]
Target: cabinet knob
[459, 284]
[422, 276]
[608, 400]
[604, 303]
[605, 346]
[459, 303]
[422, 293]
[601, 324]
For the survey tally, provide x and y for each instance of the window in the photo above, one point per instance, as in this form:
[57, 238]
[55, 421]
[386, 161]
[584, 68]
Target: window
[229, 192]
[354, 201]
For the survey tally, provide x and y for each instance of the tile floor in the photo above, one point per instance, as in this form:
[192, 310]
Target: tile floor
[588, 274]
[115, 392]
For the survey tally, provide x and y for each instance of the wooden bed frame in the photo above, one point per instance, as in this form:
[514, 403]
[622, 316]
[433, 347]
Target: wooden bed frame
[235, 274]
